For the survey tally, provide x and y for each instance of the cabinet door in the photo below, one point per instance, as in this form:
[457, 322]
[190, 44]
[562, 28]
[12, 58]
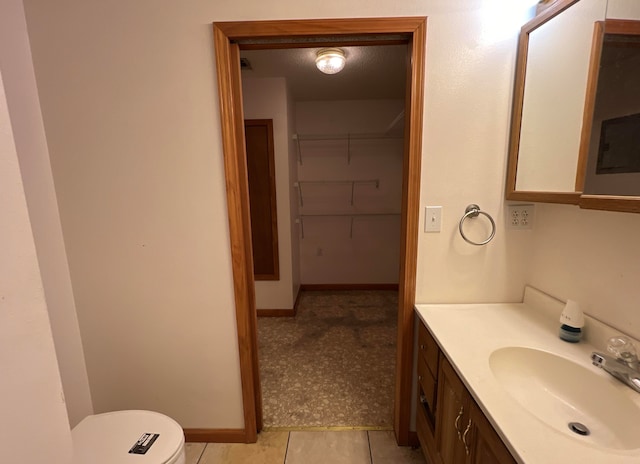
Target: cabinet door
[452, 415]
[488, 448]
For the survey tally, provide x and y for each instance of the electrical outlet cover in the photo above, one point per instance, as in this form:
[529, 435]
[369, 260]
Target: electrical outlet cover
[520, 216]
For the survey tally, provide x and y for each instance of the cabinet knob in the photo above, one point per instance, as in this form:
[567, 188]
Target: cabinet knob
[422, 346]
[419, 377]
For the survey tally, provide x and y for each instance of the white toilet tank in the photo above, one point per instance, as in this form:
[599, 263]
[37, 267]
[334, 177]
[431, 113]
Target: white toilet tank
[127, 437]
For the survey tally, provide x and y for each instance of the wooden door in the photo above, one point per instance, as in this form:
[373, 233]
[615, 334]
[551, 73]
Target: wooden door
[261, 174]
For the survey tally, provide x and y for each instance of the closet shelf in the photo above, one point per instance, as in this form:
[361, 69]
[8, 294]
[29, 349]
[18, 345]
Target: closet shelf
[351, 216]
[345, 136]
[353, 183]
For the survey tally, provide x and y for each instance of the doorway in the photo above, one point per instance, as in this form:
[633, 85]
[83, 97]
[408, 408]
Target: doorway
[411, 31]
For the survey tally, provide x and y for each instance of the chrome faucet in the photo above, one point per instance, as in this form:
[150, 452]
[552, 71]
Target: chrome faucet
[624, 366]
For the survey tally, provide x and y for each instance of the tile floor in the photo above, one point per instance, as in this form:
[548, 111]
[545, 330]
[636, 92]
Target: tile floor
[305, 447]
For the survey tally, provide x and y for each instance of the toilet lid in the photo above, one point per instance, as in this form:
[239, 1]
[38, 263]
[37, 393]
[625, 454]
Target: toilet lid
[108, 438]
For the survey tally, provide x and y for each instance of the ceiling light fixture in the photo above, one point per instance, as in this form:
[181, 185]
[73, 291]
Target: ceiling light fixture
[330, 60]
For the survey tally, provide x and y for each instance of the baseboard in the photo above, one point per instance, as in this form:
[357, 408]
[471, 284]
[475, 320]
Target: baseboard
[281, 312]
[413, 439]
[310, 287]
[295, 304]
[321, 287]
[276, 312]
[215, 435]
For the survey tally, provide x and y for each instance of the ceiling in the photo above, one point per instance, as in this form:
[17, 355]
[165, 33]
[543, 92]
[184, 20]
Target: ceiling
[371, 72]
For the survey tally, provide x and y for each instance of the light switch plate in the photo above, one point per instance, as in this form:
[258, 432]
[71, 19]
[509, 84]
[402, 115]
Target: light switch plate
[433, 218]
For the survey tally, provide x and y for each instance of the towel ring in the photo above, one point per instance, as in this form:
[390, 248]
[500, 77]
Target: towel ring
[472, 211]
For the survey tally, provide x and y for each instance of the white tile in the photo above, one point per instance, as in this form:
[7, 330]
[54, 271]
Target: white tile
[349, 447]
[194, 451]
[384, 450]
[269, 449]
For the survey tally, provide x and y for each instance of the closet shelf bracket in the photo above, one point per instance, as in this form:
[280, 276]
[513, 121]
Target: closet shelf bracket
[349, 137]
[353, 182]
[350, 216]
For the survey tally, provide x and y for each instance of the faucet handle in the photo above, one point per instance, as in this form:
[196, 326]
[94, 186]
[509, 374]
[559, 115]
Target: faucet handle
[622, 348]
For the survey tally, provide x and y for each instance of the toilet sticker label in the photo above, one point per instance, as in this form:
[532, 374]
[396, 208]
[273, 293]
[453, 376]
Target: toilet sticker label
[144, 443]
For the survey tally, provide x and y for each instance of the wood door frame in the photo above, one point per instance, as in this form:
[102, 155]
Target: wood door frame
[227, 55]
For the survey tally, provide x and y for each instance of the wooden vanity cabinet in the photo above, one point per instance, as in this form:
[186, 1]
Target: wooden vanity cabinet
[488, 448]
[428, 360]
[453, 419]
[452, 429]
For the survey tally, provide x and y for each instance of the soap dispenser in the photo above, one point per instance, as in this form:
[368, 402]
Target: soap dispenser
[572, 320]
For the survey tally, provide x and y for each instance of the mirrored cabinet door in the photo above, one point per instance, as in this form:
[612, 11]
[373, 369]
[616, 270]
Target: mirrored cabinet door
[611, 135]
[575, 133]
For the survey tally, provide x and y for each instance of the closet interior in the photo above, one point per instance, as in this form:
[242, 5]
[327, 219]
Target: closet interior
[325, 190]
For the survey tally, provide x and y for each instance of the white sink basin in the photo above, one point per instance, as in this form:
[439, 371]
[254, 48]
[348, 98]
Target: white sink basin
[557, 391]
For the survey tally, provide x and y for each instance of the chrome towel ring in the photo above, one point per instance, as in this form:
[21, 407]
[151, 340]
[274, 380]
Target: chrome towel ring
[473, 211]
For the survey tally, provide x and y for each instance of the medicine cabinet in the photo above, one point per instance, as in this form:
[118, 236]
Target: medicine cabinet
[575, 130]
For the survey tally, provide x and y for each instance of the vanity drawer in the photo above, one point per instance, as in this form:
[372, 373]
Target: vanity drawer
[426, 435]
[428, 386]
[422, 427]
[425, 417]
[428, 349]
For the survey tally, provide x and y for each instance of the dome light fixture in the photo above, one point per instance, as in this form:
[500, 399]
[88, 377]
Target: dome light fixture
[330, 60]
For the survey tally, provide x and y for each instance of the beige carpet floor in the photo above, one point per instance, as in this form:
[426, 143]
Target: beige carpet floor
[332, 365]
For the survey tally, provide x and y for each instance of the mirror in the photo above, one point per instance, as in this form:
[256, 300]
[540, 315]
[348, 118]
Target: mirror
[611, 138]
[568, 57]
[549, 99]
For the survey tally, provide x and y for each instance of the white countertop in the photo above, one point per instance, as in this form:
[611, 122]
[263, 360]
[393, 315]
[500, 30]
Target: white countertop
[469, 333]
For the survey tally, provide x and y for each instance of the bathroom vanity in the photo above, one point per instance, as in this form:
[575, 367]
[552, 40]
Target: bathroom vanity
[497, 385]
[460, 433]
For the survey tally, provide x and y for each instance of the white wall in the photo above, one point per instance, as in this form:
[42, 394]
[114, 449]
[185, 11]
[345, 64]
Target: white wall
[334, 249]
[129, 103]
[28, 131]
[592, 257]
[33, 424]
[623, 9]
[471, 54]
[293, 200]
[268, 99]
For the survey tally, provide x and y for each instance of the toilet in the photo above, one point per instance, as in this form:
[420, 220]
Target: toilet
[127, 437]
